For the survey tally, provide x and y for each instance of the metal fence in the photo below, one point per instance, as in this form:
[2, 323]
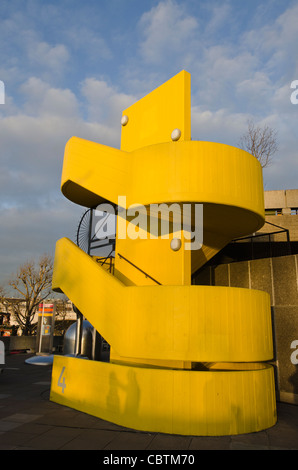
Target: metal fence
[263, 244]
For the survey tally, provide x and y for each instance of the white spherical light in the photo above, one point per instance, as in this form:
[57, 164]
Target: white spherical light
[124, 120]
[175, 244]
[176, 134]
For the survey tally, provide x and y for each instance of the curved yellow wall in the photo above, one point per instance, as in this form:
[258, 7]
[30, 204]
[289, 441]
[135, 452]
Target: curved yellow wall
[204, 403]
[184, 359]
[190, 323]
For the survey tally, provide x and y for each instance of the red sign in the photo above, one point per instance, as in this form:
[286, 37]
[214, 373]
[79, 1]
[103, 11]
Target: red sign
[45, 308]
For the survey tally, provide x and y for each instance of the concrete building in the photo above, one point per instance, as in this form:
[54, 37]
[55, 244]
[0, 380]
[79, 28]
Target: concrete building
[282, 202]
[278, 236]
[281, 208]
[10, 326]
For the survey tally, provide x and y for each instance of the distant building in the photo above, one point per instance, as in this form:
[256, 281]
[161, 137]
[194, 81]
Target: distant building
[9, 325]
[277, 237]
[281, 202]
[281, 208]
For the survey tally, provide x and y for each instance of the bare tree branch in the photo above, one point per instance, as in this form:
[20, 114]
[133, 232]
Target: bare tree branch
[32, 284]
[261, 142]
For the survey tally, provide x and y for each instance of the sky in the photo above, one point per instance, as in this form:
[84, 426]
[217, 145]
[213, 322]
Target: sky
[71, 67]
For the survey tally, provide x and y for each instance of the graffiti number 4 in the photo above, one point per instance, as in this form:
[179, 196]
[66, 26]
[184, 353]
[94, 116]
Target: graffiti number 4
[61, 380]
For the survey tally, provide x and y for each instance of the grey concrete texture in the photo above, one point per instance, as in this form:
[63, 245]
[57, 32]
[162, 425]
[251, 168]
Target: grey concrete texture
[29, 421]
[281, 198]
[284, 221]
[279, 278]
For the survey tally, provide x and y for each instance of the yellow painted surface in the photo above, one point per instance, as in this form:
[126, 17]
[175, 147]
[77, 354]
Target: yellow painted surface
[227, 180]
[205, 403]
[172, 267]
[184, 323]
[183, 357]
[152, 119]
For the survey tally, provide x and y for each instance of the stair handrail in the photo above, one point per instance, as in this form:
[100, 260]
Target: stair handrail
[102, 260]
[139, 269]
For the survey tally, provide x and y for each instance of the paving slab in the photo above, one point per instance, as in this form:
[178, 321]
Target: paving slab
[29, 421]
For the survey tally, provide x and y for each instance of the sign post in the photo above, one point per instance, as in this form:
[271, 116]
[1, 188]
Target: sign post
[2, 353]
[45, 328]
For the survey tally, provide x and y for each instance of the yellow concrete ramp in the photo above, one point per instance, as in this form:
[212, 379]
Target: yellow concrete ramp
[184, 323]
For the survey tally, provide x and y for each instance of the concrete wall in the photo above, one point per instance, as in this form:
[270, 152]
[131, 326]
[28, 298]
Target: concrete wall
[289, 222]
[28, 343]
[278, 277]
[281, 199]
[285, 201]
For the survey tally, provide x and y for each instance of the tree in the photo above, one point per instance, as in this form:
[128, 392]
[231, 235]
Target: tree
[62, 323]
[2, 294]
[4, 314]
[261, 142]
[33, 284]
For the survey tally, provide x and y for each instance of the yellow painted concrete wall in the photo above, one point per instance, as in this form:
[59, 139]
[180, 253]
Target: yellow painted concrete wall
[169, 339]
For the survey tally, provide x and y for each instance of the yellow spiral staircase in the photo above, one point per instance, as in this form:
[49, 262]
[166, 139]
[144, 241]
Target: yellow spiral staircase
[185, 359]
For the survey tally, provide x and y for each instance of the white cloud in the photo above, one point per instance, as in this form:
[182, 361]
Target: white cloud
[275, 43]
[41, 99]
[104, 102]
[98, 47]
[219, 14]
[258, 84]
[24, 50]
[45, 55]
[34, 214]
[26, 234]
[33, 139]
[219, 126]
[236, 74]
[167, 31]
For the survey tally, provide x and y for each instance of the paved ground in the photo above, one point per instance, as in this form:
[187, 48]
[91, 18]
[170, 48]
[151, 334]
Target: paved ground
[28, 420]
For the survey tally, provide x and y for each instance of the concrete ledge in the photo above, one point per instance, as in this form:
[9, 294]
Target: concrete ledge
[287, 397]
[27, 343]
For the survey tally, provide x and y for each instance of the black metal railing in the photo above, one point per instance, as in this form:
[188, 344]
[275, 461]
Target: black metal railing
[139, 269]
[263, 244]
[87, 238]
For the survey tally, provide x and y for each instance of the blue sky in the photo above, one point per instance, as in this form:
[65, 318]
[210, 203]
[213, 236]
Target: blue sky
[70, 67]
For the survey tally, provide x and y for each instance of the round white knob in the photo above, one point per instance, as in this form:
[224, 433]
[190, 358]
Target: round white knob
[176, 134]
[124, 120]
[175, 244]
